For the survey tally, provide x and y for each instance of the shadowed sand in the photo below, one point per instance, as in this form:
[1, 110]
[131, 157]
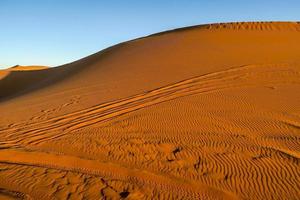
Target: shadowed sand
[204, 112]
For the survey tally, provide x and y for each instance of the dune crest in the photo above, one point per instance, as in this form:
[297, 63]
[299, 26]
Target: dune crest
[26, 68]
[204, 112]
[263, 26]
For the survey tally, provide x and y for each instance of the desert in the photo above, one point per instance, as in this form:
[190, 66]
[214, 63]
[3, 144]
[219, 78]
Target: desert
[203, 112]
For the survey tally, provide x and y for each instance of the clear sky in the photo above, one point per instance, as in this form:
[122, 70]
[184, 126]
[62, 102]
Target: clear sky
[55, 32]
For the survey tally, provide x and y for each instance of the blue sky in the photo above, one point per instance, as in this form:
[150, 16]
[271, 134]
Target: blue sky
[55, 32]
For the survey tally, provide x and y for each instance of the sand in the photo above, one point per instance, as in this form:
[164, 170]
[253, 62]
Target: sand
[204, 112]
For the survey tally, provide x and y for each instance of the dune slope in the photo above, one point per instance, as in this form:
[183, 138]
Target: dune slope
[204, 112]
[18, 79]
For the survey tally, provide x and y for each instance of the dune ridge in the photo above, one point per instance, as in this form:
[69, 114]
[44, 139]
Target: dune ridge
[204, 112]
[263, 26]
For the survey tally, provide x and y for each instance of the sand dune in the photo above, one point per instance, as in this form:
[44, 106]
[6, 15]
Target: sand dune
[204, 112]
[19, 79]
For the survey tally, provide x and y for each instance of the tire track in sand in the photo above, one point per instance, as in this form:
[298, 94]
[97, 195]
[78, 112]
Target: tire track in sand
[244, 76]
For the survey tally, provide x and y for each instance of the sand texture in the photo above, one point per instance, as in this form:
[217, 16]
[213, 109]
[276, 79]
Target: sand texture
[204, 112]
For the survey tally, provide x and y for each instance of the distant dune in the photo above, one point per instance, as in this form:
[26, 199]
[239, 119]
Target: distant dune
[19, 79]
[203, 112]
[26, 68]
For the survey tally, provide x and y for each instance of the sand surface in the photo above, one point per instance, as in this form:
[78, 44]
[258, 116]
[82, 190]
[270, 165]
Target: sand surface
[206, 112]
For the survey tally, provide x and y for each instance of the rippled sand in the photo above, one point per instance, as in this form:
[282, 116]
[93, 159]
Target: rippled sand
[206, 112]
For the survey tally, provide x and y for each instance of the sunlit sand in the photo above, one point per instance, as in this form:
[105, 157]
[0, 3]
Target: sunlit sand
[205, 112]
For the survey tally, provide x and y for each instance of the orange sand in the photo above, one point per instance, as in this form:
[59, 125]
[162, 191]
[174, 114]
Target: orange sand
[206, 112]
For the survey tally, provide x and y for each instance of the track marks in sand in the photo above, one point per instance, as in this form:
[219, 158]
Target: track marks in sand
[126, 156]
[135, 178]
[235, 164]
[45, 114]
[9, 194]
[267, 75]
